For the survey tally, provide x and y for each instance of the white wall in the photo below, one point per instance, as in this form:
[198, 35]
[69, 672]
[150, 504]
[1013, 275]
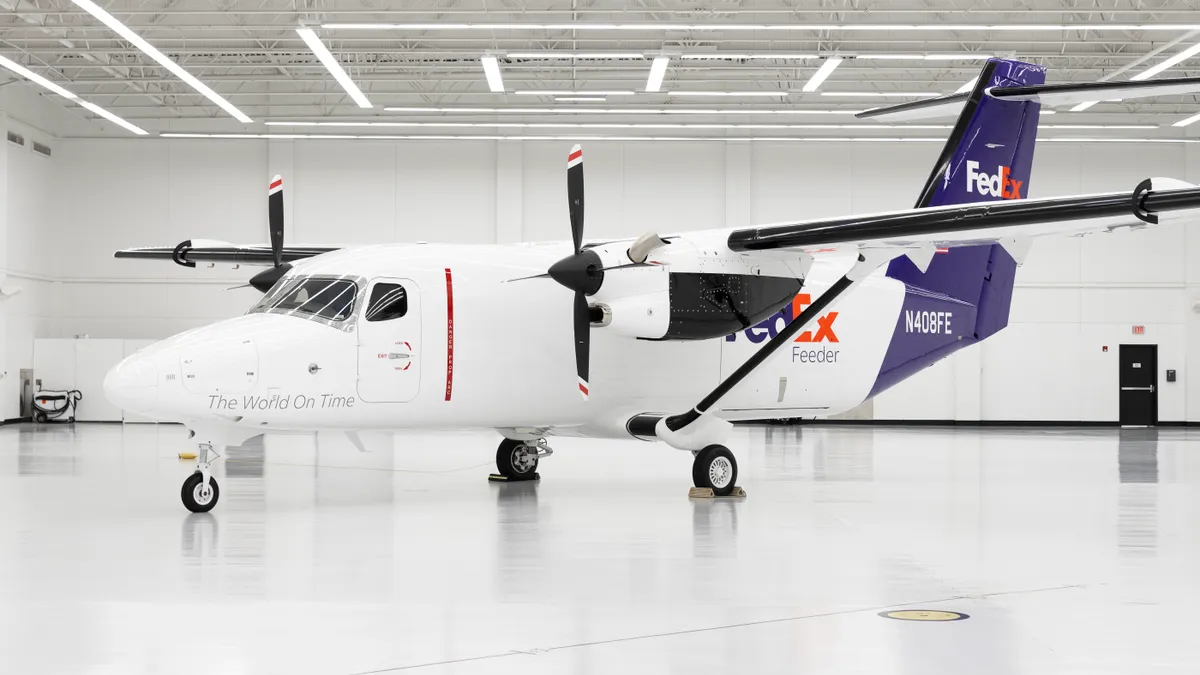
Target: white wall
[28, 222]
[1073, 296]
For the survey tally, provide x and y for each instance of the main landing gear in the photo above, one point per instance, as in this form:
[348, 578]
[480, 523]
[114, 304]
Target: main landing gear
[518, 460]
[715, 468]
[200, 491]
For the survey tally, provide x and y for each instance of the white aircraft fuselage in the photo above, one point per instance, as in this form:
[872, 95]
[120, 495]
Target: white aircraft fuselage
[478, 350]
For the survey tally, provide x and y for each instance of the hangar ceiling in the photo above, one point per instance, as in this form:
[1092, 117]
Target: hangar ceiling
[734, 68]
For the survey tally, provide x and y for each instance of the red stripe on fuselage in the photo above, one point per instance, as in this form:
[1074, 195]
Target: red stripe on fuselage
[449, 334]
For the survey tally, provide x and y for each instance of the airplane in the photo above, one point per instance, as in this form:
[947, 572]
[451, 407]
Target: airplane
[674, 337]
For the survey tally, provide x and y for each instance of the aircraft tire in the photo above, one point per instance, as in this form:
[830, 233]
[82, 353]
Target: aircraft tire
[512, 461]
[715, 467]
[193, 496]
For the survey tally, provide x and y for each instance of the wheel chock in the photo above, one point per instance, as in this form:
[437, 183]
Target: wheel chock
[497, 478]
[707, 493]
[187, 455]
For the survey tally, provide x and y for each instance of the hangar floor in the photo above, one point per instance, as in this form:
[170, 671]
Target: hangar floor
[1072, 551]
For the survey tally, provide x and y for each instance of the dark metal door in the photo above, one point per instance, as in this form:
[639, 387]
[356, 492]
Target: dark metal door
[1139, 385]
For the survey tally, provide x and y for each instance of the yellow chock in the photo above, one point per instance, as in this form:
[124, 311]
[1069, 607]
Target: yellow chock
[187, 455]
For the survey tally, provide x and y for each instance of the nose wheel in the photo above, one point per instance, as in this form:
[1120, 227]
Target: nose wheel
[715, 468]
[200, 491]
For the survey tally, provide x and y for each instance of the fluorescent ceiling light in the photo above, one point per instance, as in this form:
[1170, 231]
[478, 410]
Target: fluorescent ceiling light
[659, 125]
[331, 64]
[909, 94]
[491, 70]
[37, 79]
[1173, 61]
[112, 118]
[1150, 72]
[622, 111]
[568, 92]
[658, 70]
[137, 41]
[703, 139]
[968, 86]
[823, 72]
[890, 57]
[575, 55]
[720, 56]
[69, 95]
[1188, 120]
[970, 56]
[580, 99]
[611, 125]
[728, 93]
[802, 27]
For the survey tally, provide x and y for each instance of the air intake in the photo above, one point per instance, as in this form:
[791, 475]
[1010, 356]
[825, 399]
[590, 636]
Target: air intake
[41, 149]
[14, 137]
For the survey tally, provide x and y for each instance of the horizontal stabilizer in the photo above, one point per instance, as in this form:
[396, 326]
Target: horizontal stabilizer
[1070, 94]
[1046, 94]
[929, 108]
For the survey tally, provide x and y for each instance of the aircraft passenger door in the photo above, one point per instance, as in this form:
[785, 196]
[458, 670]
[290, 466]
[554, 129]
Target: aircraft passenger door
[389, 342]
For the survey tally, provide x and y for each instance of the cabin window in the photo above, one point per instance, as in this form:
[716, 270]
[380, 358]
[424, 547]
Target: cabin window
[388, 301]
[330, 299]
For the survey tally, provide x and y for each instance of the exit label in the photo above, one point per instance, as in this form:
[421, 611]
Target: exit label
[1139, 330]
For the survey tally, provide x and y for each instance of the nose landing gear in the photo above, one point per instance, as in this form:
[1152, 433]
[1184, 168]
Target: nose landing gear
[200, 491]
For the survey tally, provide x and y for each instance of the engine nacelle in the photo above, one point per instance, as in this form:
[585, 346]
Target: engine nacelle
[635, 301]
[645, 316]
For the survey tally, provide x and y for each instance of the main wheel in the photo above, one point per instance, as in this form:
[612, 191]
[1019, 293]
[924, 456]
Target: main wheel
[196, 498]
[715, 467]
[515, 460]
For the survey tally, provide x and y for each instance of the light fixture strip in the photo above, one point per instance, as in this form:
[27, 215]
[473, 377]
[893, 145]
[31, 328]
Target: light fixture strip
[147, 48]
[576, 55]
[69, 95]
[700, 94]
[852, 94]
[658, 70]
[572, 92]
[798, 27]
[702, 139]
[826, 69]
[491, 70]
[331, 64]
[668, 125]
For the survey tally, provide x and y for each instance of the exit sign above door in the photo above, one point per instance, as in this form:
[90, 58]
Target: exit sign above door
[1139, 330]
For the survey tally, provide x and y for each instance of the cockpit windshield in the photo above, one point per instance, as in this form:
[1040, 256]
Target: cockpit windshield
[328, 298]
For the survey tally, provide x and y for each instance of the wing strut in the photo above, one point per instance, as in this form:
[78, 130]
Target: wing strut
[676, 430]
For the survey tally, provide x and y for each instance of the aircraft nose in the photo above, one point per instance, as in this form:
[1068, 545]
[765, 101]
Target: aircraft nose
[132, 384]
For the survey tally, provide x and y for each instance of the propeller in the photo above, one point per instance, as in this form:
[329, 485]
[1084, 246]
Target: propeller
[582, 271]
[263, 281]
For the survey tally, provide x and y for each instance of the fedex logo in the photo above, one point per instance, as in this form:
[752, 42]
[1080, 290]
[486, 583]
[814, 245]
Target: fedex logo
[770, 327]
[999, 185]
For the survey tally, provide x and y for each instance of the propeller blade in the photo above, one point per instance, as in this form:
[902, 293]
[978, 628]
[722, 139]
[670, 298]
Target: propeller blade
[583, 340]
[234, 288]
[575, 194]
[545, 275]
[275, 218]
[621, 267]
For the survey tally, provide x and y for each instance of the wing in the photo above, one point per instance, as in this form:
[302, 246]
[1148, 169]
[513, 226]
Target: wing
[986, 222]
[188, 254]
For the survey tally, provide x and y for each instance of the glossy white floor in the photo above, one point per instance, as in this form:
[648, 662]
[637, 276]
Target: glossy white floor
[1073, 551]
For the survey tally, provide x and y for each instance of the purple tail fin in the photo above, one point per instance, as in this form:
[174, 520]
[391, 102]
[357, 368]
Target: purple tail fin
[965, 294]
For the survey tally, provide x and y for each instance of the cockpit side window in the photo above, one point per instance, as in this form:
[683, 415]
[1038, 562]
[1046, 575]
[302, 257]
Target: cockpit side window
[325, 298]
[388, 301]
